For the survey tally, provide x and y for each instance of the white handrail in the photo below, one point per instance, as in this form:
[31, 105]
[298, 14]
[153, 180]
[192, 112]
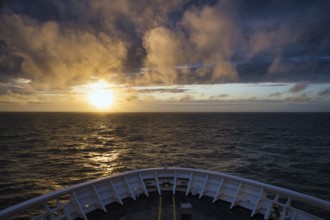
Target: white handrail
[285, 192]
[160, 171]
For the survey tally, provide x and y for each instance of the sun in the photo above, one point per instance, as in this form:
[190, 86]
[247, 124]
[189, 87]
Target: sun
[101, 99]
[100, 95]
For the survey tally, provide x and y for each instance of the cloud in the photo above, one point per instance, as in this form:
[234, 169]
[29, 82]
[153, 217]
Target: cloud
[163, 90]
[147, 42]
[140, 16]
[275, 94]
[290, 39]
[131, 21]
[186, 98]
[26, 98]
[270, 39]
[164, 53]
[218, 97]
[98, 44]
[55, 56]
[298, 87]
[211, 33]
[301, 98]
[324, 93]
[203, 35]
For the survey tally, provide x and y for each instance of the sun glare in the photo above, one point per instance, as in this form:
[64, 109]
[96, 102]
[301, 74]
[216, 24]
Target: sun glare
[100, 96]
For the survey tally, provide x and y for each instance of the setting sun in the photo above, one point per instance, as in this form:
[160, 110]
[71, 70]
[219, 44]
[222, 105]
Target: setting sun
[101, 99]
[100, 95]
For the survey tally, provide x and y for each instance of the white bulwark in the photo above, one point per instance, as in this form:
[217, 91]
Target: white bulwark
[78, 200]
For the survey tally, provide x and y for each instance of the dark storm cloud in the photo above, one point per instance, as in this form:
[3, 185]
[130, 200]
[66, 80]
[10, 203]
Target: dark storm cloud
[71, 41]
[291, 38]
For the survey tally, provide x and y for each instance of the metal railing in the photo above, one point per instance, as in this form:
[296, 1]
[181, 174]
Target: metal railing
[97, 194]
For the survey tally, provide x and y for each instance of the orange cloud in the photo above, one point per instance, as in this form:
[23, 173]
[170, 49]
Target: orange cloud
[56, 56]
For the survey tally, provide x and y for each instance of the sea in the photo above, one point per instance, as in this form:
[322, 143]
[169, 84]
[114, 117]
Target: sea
[42, 152]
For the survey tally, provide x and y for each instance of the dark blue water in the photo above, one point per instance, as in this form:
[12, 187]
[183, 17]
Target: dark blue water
[41, 152]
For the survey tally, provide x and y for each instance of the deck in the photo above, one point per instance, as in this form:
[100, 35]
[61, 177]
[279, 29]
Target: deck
[169, 207]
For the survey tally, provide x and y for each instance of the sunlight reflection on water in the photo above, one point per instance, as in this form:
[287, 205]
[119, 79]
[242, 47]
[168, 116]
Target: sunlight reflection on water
[105, 162]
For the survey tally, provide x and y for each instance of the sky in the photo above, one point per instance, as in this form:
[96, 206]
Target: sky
[165, 56]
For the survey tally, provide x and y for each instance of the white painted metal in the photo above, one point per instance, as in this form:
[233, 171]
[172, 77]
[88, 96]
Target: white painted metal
[157, 183]
[143, 185]
[80, 208]
[286, 209]
[129, 188]
[218, 191]
[203, 187]
[116, 193]
[189, 184]
[256, 205]
[99, 199]
[174, 182]
[270, 206]
[236, 197]
[238, 191]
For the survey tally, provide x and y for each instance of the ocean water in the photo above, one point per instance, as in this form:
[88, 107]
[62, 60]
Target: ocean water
[41, 152]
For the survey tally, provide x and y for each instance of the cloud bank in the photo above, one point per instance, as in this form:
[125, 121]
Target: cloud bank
[59, 44]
